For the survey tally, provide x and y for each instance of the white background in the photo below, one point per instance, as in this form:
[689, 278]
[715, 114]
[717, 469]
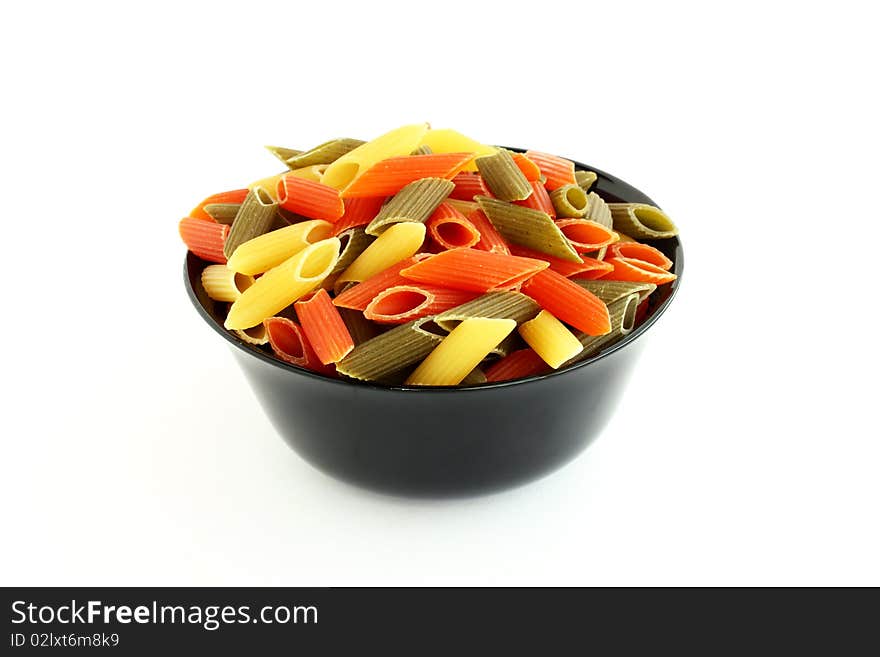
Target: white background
[746, 450]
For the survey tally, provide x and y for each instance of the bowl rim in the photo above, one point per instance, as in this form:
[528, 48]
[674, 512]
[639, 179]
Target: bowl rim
[627, 340]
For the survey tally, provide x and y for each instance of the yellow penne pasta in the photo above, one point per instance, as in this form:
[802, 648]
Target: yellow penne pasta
[401, 141]
[450, 141]
[271, 249]
[223, 284]
[313, 172]
[269, 184]
[281, 286]
[460, 352]
[550, 339]
[397, 243]
[255, 335]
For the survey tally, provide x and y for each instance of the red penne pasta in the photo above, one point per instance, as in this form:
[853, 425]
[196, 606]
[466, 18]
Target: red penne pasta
[389, 176]
[291, 345]
[359, 296]
[590, 268]
[529, 169]
[516, 365]
[639, 251]
[539, 199]
[557, 170]
[586, 235]
[451, 229]
[234, 196]
[324, 328]
[403, 303]
[310, 199]
[358, 212]
[569, 302]
[490, 238]
[474, 270]
[204, 238]
[468, 185]
[631, 269]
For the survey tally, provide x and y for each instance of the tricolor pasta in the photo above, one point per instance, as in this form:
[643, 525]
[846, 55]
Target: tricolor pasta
[426, 258]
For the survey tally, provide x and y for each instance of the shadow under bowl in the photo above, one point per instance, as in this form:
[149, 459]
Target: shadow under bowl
[445, 442]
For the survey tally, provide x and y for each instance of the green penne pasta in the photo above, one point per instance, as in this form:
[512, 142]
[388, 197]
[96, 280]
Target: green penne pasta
[511, 343]
[503, 177]
[222, 213]
[623, 316]
[597, 210]
[642, 221]
[492, 305]
[585, 179]
[354, 242]
[569, 201]
[611, 291]
[415, 202]
[528, 227]
[325, 153]
[424, 149]
[389, 352]
[257, 214]
[282, 153]
[359, 327]
[476, 377]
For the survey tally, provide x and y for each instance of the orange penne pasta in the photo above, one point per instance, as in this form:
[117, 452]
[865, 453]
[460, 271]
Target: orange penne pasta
[324, 328]
[631, 269]
[309, 198]
[358, 212]
[639, 251]
[557, 170]
[490, 238]
[291, 345]
[516, 365]
[359, 296]
[474, 270]
[539, 199]
[530, 170]
[590, 268]
[451, 229]
[569, 302]
[388, 177]
[586, 235]
[403, 303]
[468, 185]
[234, 196]
[204, 238]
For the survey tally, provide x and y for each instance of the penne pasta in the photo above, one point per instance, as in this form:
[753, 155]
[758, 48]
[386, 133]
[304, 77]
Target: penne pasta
[234, 196]
[414, 203]
[643, 252]
[358, 212]
[569, 201]
[450, 141]
[256, 335]
[630, 269]
[222, 213]
[622, 316]
[473, 270]
[223, 284]
[399, 242]
[642, 221]
[490, 238]
[460, 352]
[588, 267]
[527, 227]
[389, 176]
[346, 168]
[451, 229]
[271, 249]
[353, 242]
[325, 153]
[503, 176]
[324, 328]
[309, 198]
[569, 302]
[517, 365]
[290, 344]
[204, 238]
[611, 291]
[597, 210]
[550, 339]
[256, 216]
[282, 285]
[282, 153]
[465, 207]
[359, 296]
[492, 305]
[404, 303]
[557, 170]
[468, 185]
[312, 173]
[529, 169]
[539, 199]
[586, 236]
[389, 352]
[359, 327]
[585, 179]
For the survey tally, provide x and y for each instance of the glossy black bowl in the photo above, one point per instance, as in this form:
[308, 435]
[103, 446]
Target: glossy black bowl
[440, 441]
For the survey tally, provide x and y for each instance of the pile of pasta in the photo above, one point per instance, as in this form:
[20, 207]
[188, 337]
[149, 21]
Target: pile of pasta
[424, 257]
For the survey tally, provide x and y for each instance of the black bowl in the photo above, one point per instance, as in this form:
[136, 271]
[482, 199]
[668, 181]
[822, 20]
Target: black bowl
[441, 441]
